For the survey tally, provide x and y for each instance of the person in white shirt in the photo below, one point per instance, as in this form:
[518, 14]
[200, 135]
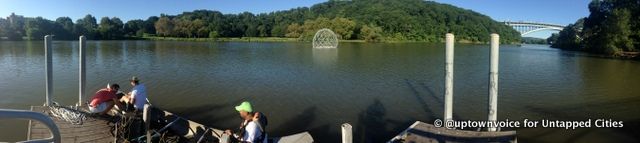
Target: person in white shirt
[252, 128]
[138, 95]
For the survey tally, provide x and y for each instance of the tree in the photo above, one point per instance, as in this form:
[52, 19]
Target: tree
[199, 28]
[189, 28]
[164, 26]
[343, 27]
[134, 28]
[37, 28]
[310, 27]
[279, 30]
[64, 28]
[609, 29]
[110, 28]
[248, 24]
[371, 33]
[397, 20]
[213, 34]
[570, 37]
[87, 26]
[15, 29]
[553, 38]
[4, 26]
[149, 25]
[620, 29]
[294, 31]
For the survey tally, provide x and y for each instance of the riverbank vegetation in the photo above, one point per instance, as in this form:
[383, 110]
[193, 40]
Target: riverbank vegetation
[365, 20]
[612, 28]
[533, 40]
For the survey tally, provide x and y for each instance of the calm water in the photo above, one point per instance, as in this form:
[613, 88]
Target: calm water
[379, 88]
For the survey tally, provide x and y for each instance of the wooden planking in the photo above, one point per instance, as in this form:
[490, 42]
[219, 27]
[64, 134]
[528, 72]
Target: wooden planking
[92, 129]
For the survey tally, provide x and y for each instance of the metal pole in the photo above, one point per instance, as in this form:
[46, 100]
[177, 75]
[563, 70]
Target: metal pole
[347, 133]
[48, 68]
[448, 85]
[82, 69]
[493, 79]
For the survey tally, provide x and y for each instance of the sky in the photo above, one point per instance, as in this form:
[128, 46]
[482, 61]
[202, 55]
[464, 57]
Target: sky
[561, 12]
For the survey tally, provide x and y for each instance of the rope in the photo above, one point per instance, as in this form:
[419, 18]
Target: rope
[67, 114]
[123, 127]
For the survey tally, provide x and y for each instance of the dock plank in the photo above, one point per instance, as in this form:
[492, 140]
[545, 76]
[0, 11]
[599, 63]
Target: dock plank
[92, 129]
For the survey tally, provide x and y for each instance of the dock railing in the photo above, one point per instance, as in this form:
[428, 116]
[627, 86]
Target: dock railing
[30, 115]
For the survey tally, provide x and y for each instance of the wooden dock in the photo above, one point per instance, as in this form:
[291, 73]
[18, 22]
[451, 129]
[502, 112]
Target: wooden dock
[421, 132]
[91, 130]
[98, 129]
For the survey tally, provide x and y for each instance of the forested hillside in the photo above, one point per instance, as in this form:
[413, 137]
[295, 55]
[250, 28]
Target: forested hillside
[369, 20]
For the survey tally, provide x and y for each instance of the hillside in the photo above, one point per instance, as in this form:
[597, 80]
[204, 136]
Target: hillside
[369, 20]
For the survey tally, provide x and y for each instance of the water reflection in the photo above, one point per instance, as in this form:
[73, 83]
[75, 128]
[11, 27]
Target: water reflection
[379, 88]
[325, 57]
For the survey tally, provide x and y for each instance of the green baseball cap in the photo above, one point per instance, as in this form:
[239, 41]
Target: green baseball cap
[244, 106]
[134, 78]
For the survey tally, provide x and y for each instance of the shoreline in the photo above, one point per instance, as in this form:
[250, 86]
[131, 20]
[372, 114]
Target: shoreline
[256, 39]
[633, 56]
[279, 39]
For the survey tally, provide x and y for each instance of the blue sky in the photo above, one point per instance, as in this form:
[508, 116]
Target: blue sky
[561, 12]
[550, 11]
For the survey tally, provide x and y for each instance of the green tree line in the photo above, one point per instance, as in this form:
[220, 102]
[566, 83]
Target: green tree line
[369, 20]
[612, 28]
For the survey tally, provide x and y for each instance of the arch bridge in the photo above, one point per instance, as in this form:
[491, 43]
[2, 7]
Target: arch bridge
[529, 27]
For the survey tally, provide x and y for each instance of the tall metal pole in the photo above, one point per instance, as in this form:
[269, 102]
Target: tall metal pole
[448, 85]
[48, 68]
[82, 68]
[493, 79]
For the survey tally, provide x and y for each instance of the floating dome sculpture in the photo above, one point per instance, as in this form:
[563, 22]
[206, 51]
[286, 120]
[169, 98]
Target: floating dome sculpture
[325, 38]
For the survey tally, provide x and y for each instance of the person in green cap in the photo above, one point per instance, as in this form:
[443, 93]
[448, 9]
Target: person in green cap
[252, 129]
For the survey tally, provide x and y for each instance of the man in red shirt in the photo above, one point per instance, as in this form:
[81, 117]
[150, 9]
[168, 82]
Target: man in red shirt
[104, 99]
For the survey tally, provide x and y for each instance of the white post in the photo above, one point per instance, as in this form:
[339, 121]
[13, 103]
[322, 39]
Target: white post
[146, 115]
[82, 68]
[48, 68]
[448, 84]
[347, 133]
[493, 79]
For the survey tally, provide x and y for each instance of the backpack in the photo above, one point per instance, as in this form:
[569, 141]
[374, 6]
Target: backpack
[262, 124]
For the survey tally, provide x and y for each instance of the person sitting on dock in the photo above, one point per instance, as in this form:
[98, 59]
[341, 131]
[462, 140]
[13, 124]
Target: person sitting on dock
[252, 129]
[104, 99]
[137, 96]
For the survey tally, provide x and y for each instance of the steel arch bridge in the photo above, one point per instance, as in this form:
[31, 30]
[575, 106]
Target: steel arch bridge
[529, 27]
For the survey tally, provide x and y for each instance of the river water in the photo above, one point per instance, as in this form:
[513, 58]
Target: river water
[378, 88]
